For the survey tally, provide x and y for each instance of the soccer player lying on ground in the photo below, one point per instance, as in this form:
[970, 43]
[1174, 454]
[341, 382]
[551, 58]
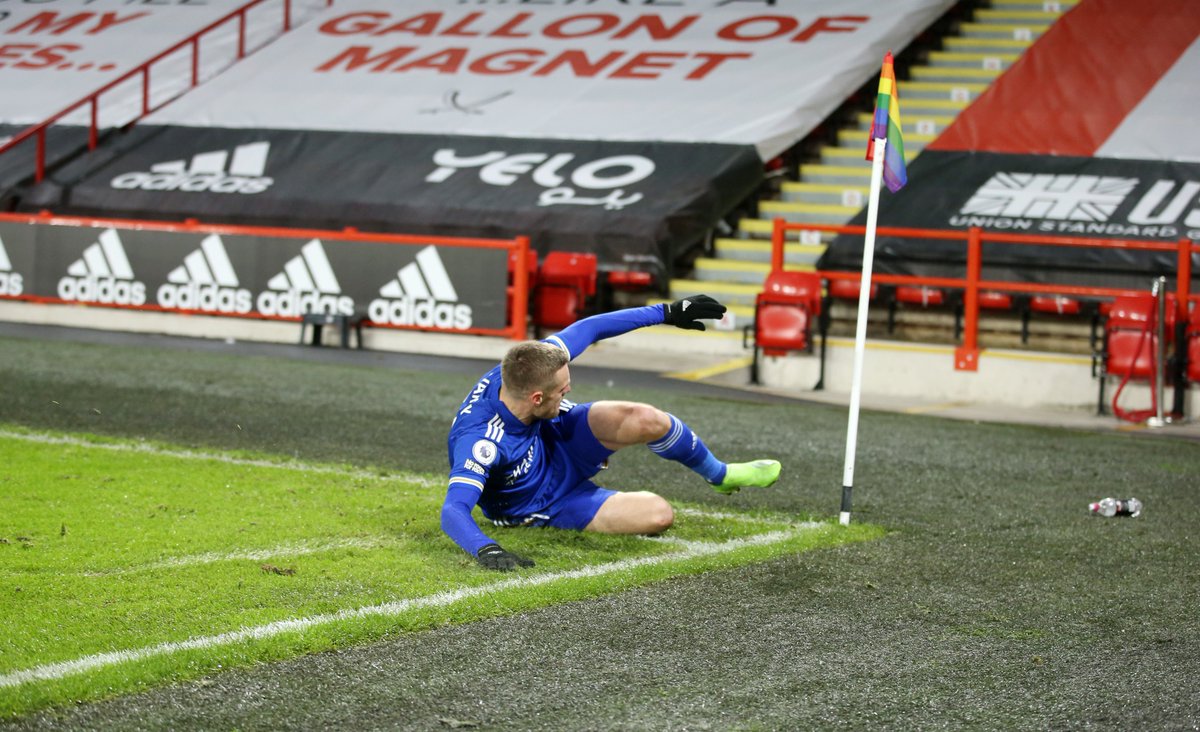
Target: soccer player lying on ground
[526, 455]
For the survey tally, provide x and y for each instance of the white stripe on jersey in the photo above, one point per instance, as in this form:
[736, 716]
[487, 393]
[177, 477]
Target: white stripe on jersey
[468, 481]
[495, 429]
[566, 405]
[556, 341]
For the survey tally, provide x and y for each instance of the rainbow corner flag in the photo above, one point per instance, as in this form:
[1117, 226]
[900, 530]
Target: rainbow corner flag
[887, 126]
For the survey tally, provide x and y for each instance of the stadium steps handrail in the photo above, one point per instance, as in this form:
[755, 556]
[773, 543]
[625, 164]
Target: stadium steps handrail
[971, 283]
[39, 130]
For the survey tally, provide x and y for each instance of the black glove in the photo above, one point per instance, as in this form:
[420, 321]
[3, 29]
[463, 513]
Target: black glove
[493, 557]
[686, 312]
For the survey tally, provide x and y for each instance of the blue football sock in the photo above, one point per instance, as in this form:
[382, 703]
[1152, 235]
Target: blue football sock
[684, 446]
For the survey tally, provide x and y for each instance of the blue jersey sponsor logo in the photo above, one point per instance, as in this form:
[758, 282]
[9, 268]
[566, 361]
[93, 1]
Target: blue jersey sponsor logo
[522, 467]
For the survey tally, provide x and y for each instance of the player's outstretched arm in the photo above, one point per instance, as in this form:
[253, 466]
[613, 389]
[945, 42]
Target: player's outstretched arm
[685, 313]
[457, 521]
[462, 529]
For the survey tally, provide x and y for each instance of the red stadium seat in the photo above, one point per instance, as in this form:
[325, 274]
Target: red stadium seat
[1049, 305]
[849, 289]
[923, 296]
[793, 287]
[782, 327]
[1131, 311]
[987, 300]
[1130, 339]
[635, 281]
[564, 283]
[783, 315]
[1130, 353]
[992, 300]
[1134, 311]
[914, 295]
[630, 280]
[1055, 304]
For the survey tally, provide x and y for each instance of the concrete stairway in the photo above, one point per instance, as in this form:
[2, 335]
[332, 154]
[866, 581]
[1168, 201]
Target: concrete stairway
[833, 188]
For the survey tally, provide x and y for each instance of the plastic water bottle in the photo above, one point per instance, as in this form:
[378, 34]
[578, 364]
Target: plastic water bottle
[1110, 507]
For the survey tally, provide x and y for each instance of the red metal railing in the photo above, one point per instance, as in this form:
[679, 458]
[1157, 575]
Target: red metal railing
[92, 100]
[967, 355]
[518, 258]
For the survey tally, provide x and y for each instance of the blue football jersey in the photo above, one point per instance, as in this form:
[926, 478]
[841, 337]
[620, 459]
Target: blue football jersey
[497, 453]
[500, 461]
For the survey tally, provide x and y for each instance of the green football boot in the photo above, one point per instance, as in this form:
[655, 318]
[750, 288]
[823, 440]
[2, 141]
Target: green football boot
[754, 474]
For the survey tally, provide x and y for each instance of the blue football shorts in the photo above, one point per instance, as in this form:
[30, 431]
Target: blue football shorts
[569, 500]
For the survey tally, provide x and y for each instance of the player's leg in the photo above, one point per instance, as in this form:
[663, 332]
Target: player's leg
[620, 424]
[588, 507]
[639, 512]
[577, 453]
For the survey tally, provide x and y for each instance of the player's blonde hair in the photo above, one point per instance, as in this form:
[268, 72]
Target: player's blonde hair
[530, 367]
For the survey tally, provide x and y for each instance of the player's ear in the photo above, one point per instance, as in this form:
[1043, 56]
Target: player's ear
[536, 397]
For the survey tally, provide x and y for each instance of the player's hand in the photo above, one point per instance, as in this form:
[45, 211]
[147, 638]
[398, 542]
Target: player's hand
[493, 557]
[687, 313]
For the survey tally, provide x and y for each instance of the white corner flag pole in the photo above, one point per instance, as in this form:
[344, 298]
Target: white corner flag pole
[860, 333]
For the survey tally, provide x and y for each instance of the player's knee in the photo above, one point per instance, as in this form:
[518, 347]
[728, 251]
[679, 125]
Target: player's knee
[620, 424]
[659, 515]
[650, 423]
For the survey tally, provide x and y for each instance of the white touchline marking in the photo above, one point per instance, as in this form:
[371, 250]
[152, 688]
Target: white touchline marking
[748, 518]
[256, 555]
[690, 549]
[217, 457]
[54, 439]
[53, 671]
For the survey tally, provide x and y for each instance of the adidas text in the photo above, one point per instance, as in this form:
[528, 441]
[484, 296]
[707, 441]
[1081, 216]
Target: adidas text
[423, 313]
[206, 298]
[11, 284]
[104, 290]
[192, 182]
[294, 303]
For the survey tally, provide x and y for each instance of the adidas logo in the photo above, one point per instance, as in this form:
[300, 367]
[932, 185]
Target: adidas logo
[11, 283]
[421, 295]
[205, 282]
[103, 275]
[215, 172]
[307, 284]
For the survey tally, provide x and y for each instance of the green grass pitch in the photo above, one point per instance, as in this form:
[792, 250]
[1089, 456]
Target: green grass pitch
[130, 564]
[153, 484]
